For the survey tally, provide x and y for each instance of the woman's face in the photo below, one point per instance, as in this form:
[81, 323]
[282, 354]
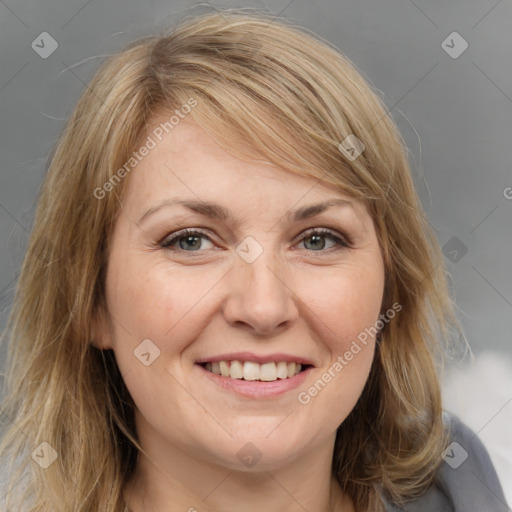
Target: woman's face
[255, 286]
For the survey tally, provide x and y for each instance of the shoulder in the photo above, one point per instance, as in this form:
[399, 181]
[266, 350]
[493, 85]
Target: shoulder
[466, 480]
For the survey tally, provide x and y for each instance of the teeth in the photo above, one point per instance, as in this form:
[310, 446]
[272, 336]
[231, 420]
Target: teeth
[236, 370]
[268, 372]
[216, 368]
[282, 370]
[249, 370]
[224, 368]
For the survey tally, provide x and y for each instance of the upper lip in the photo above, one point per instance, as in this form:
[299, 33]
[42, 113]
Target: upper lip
[261, 359]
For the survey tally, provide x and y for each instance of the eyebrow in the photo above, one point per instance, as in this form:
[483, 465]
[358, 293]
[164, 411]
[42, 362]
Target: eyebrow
[216, 211]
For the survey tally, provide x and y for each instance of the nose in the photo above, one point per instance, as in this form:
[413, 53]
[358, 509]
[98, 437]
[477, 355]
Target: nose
[259, 298]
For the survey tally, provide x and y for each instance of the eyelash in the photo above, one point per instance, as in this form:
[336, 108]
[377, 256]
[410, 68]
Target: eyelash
[166, 243]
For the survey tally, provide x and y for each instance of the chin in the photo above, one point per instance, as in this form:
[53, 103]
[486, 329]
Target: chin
[253, 453]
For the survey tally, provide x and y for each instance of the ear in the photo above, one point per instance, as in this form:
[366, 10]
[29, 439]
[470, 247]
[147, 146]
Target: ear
[101, 330]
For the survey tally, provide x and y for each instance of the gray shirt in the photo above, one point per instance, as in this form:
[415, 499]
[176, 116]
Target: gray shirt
[466, 480]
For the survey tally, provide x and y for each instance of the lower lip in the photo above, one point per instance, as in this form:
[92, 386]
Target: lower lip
[257, 388]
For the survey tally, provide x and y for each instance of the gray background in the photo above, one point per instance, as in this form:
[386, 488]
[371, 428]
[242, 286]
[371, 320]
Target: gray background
[454, 113]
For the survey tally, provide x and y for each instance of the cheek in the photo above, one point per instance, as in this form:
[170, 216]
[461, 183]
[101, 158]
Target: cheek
[347, 310]
[350, 302]
[133, 295]
[156, 302]
[350, 342]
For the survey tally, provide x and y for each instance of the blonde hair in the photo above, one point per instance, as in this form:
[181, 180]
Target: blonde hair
[262, 88]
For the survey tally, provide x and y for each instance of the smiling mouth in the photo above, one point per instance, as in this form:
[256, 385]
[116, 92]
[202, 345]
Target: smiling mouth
[252, 371]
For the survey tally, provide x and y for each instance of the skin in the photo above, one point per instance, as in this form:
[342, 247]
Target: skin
[298, 297]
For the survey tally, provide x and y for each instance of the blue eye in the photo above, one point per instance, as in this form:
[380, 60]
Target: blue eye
[190, 240]
[192, 237]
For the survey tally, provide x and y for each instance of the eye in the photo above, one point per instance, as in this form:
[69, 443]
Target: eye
[186, 239]
[316, 235]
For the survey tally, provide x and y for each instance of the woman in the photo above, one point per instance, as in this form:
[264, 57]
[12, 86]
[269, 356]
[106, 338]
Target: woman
[231, 299]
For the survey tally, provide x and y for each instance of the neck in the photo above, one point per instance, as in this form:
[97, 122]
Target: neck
[251, 493]
[176, 480]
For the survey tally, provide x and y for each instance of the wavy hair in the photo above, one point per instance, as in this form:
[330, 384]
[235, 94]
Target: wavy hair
[263, 88]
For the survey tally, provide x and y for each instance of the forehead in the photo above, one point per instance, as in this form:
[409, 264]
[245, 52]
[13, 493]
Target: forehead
[188, 164]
